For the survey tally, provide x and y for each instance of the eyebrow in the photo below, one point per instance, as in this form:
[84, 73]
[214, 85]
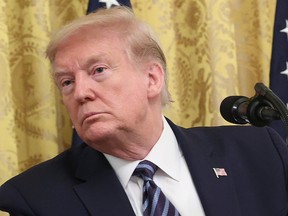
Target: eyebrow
[60, 73]
[94, 59]
[90, 61]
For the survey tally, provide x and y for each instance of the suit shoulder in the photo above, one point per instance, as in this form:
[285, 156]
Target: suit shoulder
[60, 166]
[240, 136]
[234, 131]
[226, 134]
[46, 184]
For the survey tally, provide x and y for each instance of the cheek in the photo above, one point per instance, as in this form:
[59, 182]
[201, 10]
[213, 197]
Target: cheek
[133, 94]
[70, 107]
[66, 102]
[135, 99]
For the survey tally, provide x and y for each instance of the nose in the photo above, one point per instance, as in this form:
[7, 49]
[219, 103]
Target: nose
[83, 89]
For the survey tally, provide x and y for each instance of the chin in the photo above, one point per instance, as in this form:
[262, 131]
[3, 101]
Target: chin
[97, 134]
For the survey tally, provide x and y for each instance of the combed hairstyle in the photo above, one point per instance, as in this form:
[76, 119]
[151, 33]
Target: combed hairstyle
[141, 42]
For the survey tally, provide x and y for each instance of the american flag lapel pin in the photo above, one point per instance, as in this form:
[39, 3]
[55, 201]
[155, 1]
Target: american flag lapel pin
[220, 172]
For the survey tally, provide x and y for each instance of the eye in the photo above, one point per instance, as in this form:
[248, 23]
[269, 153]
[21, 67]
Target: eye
[65, 83]
[99, 70]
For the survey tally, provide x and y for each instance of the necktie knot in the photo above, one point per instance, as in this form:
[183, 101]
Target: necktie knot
[155, 203]
[145, 170]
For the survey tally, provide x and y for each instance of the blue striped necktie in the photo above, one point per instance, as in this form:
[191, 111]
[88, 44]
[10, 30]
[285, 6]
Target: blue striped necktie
[155, 203]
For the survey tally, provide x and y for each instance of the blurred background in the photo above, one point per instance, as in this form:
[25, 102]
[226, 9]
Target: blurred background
[214, 48]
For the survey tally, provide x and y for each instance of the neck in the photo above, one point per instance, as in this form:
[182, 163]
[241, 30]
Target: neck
[133, 145]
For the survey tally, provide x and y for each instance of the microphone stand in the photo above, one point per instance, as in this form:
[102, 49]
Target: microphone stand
[267, 93]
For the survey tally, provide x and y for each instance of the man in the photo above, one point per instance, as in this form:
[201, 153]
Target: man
[111, 73]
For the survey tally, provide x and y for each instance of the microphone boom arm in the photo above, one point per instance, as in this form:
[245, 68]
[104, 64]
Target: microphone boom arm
[264, 91]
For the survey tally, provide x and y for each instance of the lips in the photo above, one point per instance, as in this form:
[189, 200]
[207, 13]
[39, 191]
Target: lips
[88, 115]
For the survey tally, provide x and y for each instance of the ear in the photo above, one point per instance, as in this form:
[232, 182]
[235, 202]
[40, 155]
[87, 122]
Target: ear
[155, 74]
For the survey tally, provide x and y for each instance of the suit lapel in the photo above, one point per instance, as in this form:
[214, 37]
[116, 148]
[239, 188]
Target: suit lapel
[101, 192]
[217, 195]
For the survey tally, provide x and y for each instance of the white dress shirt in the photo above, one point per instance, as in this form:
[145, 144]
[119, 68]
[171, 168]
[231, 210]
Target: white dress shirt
[173, 176]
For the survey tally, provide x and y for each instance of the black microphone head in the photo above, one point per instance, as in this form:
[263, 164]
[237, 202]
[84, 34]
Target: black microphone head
[229, 109]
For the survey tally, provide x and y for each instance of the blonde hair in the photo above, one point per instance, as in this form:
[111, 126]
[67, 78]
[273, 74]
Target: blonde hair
[142, 43]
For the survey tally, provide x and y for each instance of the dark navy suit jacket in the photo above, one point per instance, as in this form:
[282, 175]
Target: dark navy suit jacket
[80, 181]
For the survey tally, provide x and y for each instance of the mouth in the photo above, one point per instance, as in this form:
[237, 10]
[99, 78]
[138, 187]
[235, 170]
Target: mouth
[90, 115]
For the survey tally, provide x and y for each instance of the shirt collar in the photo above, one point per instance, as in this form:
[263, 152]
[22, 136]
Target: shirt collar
[165, 154]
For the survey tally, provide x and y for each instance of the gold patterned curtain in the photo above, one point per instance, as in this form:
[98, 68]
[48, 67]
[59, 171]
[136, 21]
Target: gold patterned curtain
[214, 49]
[33, 125]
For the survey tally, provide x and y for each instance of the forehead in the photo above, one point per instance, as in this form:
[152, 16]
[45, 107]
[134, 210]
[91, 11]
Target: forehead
[95, 35]
[91, 41]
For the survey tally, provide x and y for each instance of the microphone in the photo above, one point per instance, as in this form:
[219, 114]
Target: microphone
[257, 110]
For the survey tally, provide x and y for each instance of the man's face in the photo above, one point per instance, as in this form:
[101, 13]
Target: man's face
[103, 91]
